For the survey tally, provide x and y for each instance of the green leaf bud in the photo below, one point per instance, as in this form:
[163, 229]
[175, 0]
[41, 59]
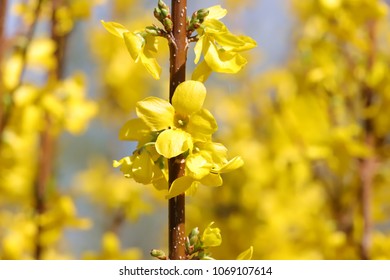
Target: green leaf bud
[158, 254]
[162, 5]
[164, 13]
[168, 24]
[202, 13]
[157, 14]
[153, 30]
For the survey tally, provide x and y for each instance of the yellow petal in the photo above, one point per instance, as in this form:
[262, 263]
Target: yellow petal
[110, 243]
[151, 65]
[231, 42]
[223, 61]
[218, 151]
[134, 130]
[202, 125]
[193, 189]
[159, 181]
[189, 97]
[198, 165]
[114, 28]
[212, 180]
[211, 236]
[198, 49]
[142, 168]
[201, 72]
[158, 114]
[214, 26]
[151, 44]
[180, 185]
[12, 71]
[25, 95]
[246, 255]
[134, 43]
[216, 12]
[173, 142]
[126, 166]
[232, 164]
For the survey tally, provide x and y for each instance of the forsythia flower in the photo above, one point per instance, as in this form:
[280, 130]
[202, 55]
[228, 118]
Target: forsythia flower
[204, 165]
[181, 123]
[111, 250]
[211, 236]
[219, 46]
[246, 255]
[164, 131]
[141, 46]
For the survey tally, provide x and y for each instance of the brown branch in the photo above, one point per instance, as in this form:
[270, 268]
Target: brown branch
[178, 56]
[48, 139]
[118, 219]
[367, 165]
[6, 110]
[3, 9]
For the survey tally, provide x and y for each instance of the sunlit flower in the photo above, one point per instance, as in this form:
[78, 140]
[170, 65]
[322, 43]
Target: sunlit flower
[142, 46]
[219, 46]
[181, 123]
[211, 236]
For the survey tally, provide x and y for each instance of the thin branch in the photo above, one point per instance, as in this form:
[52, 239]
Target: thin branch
[6, 111]
[48, 140]
[178, 56]
[193, 39]
[3, 9]
[368, 165]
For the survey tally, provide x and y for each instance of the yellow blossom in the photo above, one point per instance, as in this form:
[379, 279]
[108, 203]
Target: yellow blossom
[142, 46]
[219, 46]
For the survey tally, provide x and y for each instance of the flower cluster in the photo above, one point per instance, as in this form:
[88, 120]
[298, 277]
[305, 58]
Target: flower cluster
[165, 131]
[197, 245]
[220, 48]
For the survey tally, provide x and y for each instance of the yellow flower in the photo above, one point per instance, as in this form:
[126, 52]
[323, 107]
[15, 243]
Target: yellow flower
[211, 236]
[111, 250]
[219, 46]
[142, 46]
[246, 255]
[204, 166]
[181, 123]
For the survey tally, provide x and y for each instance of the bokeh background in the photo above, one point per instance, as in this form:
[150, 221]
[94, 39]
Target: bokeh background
[308, 114]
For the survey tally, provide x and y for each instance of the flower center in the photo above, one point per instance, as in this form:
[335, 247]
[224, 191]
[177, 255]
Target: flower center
[181, 121]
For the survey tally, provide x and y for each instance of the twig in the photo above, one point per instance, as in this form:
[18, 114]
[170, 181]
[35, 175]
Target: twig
[178, 57]
[3, 9]
[367, 165]
[48, 140]
[6, 110]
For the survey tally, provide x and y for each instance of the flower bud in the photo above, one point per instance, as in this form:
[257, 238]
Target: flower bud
[162, 5]
[157, 14]
[194, 237]
[188, 245]
[202, 13]
[153, 30]
[158, 254]
[164, 13]
[168, 24]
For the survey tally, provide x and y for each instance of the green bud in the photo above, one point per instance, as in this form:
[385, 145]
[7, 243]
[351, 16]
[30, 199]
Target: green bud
[206, 258]
[168, 24]
[164, 13]
[153, 30]
[188, 245]
[202, 13]
[162, 5]
[194, 232]
[158, 254]
[157, 14]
